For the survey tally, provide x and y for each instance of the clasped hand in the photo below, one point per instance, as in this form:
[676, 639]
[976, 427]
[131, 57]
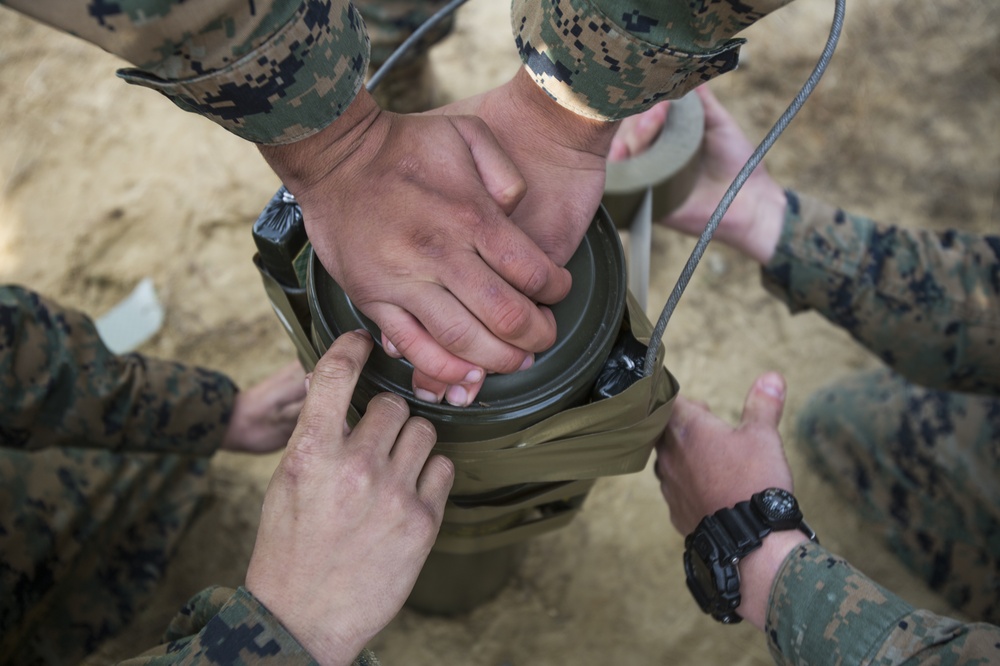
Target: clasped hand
[430, 226]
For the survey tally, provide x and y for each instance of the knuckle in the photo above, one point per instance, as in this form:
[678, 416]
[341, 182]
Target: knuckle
[390, 405]
[459, 335]
[336, 368]
[295, 465]
[403, 338]
[512, 318]
[423, 430]
[534, 280]
[435, 366]
[472, 216]
[425, 520]
[429, 243]
[358, 473]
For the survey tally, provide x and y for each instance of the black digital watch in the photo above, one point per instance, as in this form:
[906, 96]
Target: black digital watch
[712, 552]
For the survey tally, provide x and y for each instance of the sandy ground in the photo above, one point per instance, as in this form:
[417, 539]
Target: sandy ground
[102, 184]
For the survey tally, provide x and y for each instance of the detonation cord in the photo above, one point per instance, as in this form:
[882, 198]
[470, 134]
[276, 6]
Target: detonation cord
[727, 199]
[734, 188]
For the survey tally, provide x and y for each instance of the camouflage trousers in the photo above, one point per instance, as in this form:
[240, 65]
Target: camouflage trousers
[84, 537]
[923, 466]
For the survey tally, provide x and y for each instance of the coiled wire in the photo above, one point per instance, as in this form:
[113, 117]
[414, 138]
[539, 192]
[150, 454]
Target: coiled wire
[727, 199]
[836, 28]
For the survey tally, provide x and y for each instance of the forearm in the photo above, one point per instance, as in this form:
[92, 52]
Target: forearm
[823, 611]
[927, 303]
[63, 387]
[270, 71]
[609, 59]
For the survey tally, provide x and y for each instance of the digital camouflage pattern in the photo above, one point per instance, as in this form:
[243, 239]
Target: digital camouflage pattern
[923, 468]
[270, 71]
[938, 291]
[824, 611]
[60, 386]
[917, 446]
[85, 537]
[103, 463]
[612, 59]
[223, 626]
[276, 71]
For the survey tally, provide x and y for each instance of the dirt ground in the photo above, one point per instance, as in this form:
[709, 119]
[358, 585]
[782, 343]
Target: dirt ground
[102, 184]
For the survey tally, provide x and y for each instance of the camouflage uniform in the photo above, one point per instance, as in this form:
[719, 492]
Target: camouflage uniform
[274, 71]
[102, 469]
[917, 446]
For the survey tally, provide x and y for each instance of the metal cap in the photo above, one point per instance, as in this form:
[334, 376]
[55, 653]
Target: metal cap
[588, 322]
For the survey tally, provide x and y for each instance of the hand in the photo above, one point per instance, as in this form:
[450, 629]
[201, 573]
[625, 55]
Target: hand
[561, 155]
[265, 414]
[403, 212]
[637, 133]
[753, 222]
[349, 516]
[704, 465]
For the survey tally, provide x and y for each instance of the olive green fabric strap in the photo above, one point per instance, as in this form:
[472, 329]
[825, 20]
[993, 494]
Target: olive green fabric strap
[609, 437]
[603, 438]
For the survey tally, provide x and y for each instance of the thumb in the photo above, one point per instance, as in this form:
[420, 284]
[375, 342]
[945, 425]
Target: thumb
[497, 170]
[765, 401]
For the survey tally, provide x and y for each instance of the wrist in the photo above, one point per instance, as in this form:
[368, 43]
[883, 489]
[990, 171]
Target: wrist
[324, 642]
[760, 240]
[758, 571]
[302, 163]
[571, 128]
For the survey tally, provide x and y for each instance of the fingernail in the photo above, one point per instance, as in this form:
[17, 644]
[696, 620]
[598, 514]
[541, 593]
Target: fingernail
[308, 377]
[391, 348]
[426, 396]
[474, 377]
[772, 385]
[457, 396]
[529, 361]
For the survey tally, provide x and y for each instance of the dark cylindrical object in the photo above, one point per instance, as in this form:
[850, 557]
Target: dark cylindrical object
[485, 524]
[587, 320]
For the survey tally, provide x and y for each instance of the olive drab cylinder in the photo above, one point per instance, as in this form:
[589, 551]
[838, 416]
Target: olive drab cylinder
[529, 449]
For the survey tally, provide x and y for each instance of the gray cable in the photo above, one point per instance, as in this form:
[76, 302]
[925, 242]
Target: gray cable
[734, 188]
[401, 50]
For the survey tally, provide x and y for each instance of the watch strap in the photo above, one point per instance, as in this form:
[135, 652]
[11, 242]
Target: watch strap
[727, 536]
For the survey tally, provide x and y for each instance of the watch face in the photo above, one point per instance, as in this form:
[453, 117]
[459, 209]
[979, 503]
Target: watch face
[778, 507]
[700, 581]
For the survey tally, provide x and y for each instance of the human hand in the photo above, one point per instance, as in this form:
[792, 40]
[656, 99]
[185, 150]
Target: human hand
[637, 133]
[561, 155]
[265, 414]
[753, 222]
[350, 515]
[409, 215]
[704, 465]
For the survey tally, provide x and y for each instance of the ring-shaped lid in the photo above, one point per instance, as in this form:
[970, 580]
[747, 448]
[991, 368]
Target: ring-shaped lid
[587, 320]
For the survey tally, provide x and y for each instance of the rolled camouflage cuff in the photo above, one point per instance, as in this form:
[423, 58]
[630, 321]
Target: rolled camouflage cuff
[612, 65]
[224, 626]
[824, 611]
[289, 87]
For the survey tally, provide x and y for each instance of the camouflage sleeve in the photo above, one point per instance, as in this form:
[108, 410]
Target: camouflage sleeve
[223, 626]
[608, 59]
[270, 71]
[824, 611]
[927, 303]
[60, 386]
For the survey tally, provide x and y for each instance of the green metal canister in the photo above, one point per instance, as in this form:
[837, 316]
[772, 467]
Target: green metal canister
[528, 451]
